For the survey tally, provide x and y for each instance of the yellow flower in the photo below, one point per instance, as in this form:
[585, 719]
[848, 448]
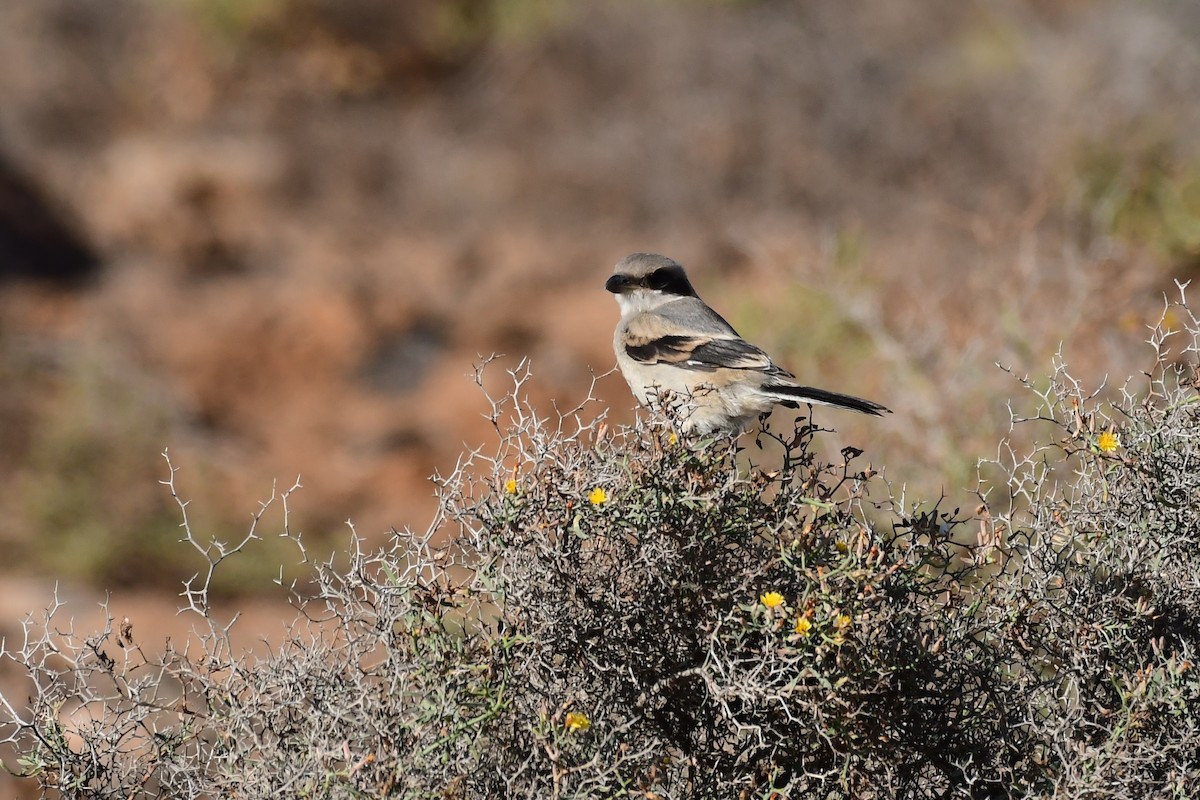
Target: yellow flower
[578, 721]
[673, 439]
[842, 621]
[1108, 442]
[803, 626]
[510, 486]
[597, 496]
[771, 599]
[841, 546]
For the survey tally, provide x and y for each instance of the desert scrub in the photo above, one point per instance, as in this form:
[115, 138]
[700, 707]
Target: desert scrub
[601, 613]
[1105, 519]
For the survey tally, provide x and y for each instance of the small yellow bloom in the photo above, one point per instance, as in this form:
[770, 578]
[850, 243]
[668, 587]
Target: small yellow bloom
[1108, 442]
[597, 496]
[578, 721]
[771, 599]
[510, 486]
[673, 439]
[803, 626]
[841, 546]
[842, 621]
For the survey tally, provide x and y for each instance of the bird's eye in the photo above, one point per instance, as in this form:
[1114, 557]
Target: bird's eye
[659, 279]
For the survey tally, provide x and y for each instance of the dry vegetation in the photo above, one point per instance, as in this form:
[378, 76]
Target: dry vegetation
[304, 220]
[314, 216]
[619, 612]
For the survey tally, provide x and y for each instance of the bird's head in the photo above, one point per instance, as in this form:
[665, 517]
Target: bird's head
[643, 281]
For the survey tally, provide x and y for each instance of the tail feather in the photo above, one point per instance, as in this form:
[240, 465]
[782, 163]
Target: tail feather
[793, 396]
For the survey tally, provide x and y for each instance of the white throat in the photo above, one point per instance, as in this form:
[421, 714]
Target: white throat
[641, 300]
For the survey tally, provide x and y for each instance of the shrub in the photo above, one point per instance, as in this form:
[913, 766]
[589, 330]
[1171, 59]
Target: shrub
[601, 613]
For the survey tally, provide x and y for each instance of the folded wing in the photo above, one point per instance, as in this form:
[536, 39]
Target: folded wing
[689, 335]
[692, 336]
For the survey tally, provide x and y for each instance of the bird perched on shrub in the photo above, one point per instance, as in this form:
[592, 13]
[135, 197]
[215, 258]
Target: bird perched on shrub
[676, 352]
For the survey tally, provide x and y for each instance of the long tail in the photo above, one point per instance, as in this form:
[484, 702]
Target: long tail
[793, 396]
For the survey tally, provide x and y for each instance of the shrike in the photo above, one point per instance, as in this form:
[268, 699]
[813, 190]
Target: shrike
[676, 351]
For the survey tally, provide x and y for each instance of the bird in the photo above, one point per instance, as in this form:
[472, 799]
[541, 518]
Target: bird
[677, 353]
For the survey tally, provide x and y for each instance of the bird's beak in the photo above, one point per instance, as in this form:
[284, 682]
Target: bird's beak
[617, 284]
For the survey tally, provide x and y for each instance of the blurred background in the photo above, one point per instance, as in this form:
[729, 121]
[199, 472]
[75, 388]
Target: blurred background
[276, 235]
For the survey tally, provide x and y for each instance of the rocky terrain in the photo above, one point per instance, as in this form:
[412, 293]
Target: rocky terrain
[279, 234]
[275, 237]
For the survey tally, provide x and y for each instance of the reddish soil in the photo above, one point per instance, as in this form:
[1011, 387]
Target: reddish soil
[312, 218]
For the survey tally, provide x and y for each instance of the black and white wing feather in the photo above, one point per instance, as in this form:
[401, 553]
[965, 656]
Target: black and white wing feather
[689, 335]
